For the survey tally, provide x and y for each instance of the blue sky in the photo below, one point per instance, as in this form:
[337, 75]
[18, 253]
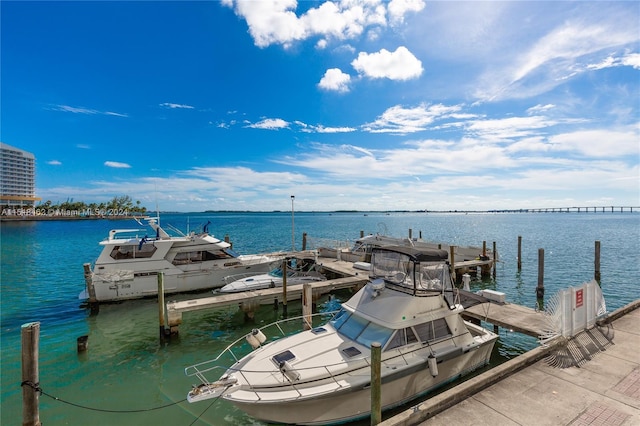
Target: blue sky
[367, 105]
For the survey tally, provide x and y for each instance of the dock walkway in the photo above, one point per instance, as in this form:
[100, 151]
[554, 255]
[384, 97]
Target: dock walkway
[602, 391]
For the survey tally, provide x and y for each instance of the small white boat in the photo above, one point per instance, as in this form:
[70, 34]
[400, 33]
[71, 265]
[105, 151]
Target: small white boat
[299, 271]
[128, 266]
[323, 375]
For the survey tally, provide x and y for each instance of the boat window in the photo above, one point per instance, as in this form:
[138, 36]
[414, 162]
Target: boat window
[374, 333]
[360, 330]
[402, 337]
[433, 330]
[352, 327]
[340, 318]
[431, 276]
[392, 266]
[133, 251]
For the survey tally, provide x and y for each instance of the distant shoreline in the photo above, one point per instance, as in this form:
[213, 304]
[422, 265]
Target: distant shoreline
[41, 218]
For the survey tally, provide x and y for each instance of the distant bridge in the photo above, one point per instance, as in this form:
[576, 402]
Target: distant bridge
[601, 209]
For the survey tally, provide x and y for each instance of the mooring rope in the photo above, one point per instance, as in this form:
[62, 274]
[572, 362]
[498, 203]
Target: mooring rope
[36, 387]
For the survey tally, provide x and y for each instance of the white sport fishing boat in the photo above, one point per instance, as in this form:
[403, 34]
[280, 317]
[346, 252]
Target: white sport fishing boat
[299, 271]
[130, 261]
[323, 375]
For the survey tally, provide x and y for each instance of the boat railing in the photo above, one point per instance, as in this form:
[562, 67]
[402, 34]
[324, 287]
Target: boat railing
[325, 371]
[239, 344]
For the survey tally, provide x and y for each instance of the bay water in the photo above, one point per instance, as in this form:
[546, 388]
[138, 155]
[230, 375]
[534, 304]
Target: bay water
[128, 377]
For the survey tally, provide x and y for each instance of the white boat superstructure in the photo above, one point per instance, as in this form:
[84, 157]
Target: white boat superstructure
[130, 260]
[298, 271]
[323, 375]
[361, 249]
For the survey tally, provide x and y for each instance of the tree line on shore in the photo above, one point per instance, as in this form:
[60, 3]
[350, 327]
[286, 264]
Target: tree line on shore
[118, 203]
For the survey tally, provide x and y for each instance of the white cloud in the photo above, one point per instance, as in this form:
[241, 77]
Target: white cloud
[398, 119]
[175, 106]
[54, 163]
[276, 22]
[632, 60]
[86, 111]
[117, 165]
[397, 9]
[336, 80]
[599, 143]
[270, 124]
[397, 65]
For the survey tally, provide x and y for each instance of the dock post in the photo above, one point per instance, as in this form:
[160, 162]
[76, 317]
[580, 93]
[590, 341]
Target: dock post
[307, 305]
[361, 233]
[376, 360]
[540, 287]
[284, 288]
[30, 334]
[597, 262]
[161, 305]
[410, 233]
[484, 248]
[495, 258]
[452, 259]
[93, 300]
[304, 241]
[519, 252]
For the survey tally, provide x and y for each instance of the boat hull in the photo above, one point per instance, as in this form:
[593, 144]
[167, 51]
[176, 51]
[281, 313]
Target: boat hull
[353, 403]
[128, 284]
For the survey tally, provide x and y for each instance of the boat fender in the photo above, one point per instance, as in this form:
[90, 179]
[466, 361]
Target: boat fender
[433, 365]
[287, 370]
[256, 338]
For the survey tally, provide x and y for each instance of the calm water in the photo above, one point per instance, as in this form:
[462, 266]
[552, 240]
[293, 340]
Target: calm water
[126, 368]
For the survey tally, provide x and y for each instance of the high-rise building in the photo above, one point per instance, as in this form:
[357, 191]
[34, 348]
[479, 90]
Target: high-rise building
[17, 177]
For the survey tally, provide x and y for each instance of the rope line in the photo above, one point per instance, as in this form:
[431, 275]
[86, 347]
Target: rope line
[36, 387]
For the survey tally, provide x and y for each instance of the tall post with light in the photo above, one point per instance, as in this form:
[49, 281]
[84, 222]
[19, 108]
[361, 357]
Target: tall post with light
[293, 240]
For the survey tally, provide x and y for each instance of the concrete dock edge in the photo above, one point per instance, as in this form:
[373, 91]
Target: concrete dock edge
[441, 402]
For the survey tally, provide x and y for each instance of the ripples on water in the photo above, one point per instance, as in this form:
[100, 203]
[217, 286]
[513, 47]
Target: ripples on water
[126, 367]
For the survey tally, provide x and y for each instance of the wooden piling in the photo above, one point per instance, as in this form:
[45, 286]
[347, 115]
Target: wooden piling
[519, 252]
[304, 241]
[410, 233]
[82, 343]
[30, 334]
[540, 287]
[361, 233]
[161, 305]
[484, 248]
[495, 258]
[91, 290]
[597, 263]
[307, 305]
[452, 260]
[376, 360]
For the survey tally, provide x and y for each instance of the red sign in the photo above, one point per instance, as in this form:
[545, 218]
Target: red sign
[579, 298]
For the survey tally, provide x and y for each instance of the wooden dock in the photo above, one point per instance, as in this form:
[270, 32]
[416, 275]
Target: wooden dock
[512, 317]
[249, 301]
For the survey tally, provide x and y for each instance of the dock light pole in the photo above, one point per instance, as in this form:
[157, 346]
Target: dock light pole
[293, 240]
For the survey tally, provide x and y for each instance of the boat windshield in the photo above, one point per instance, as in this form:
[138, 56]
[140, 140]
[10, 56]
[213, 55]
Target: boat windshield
[392, 266]
[359, 329]
[277, 273]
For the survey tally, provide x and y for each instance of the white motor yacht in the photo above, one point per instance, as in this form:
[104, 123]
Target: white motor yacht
[128, 266]
[323, 375]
